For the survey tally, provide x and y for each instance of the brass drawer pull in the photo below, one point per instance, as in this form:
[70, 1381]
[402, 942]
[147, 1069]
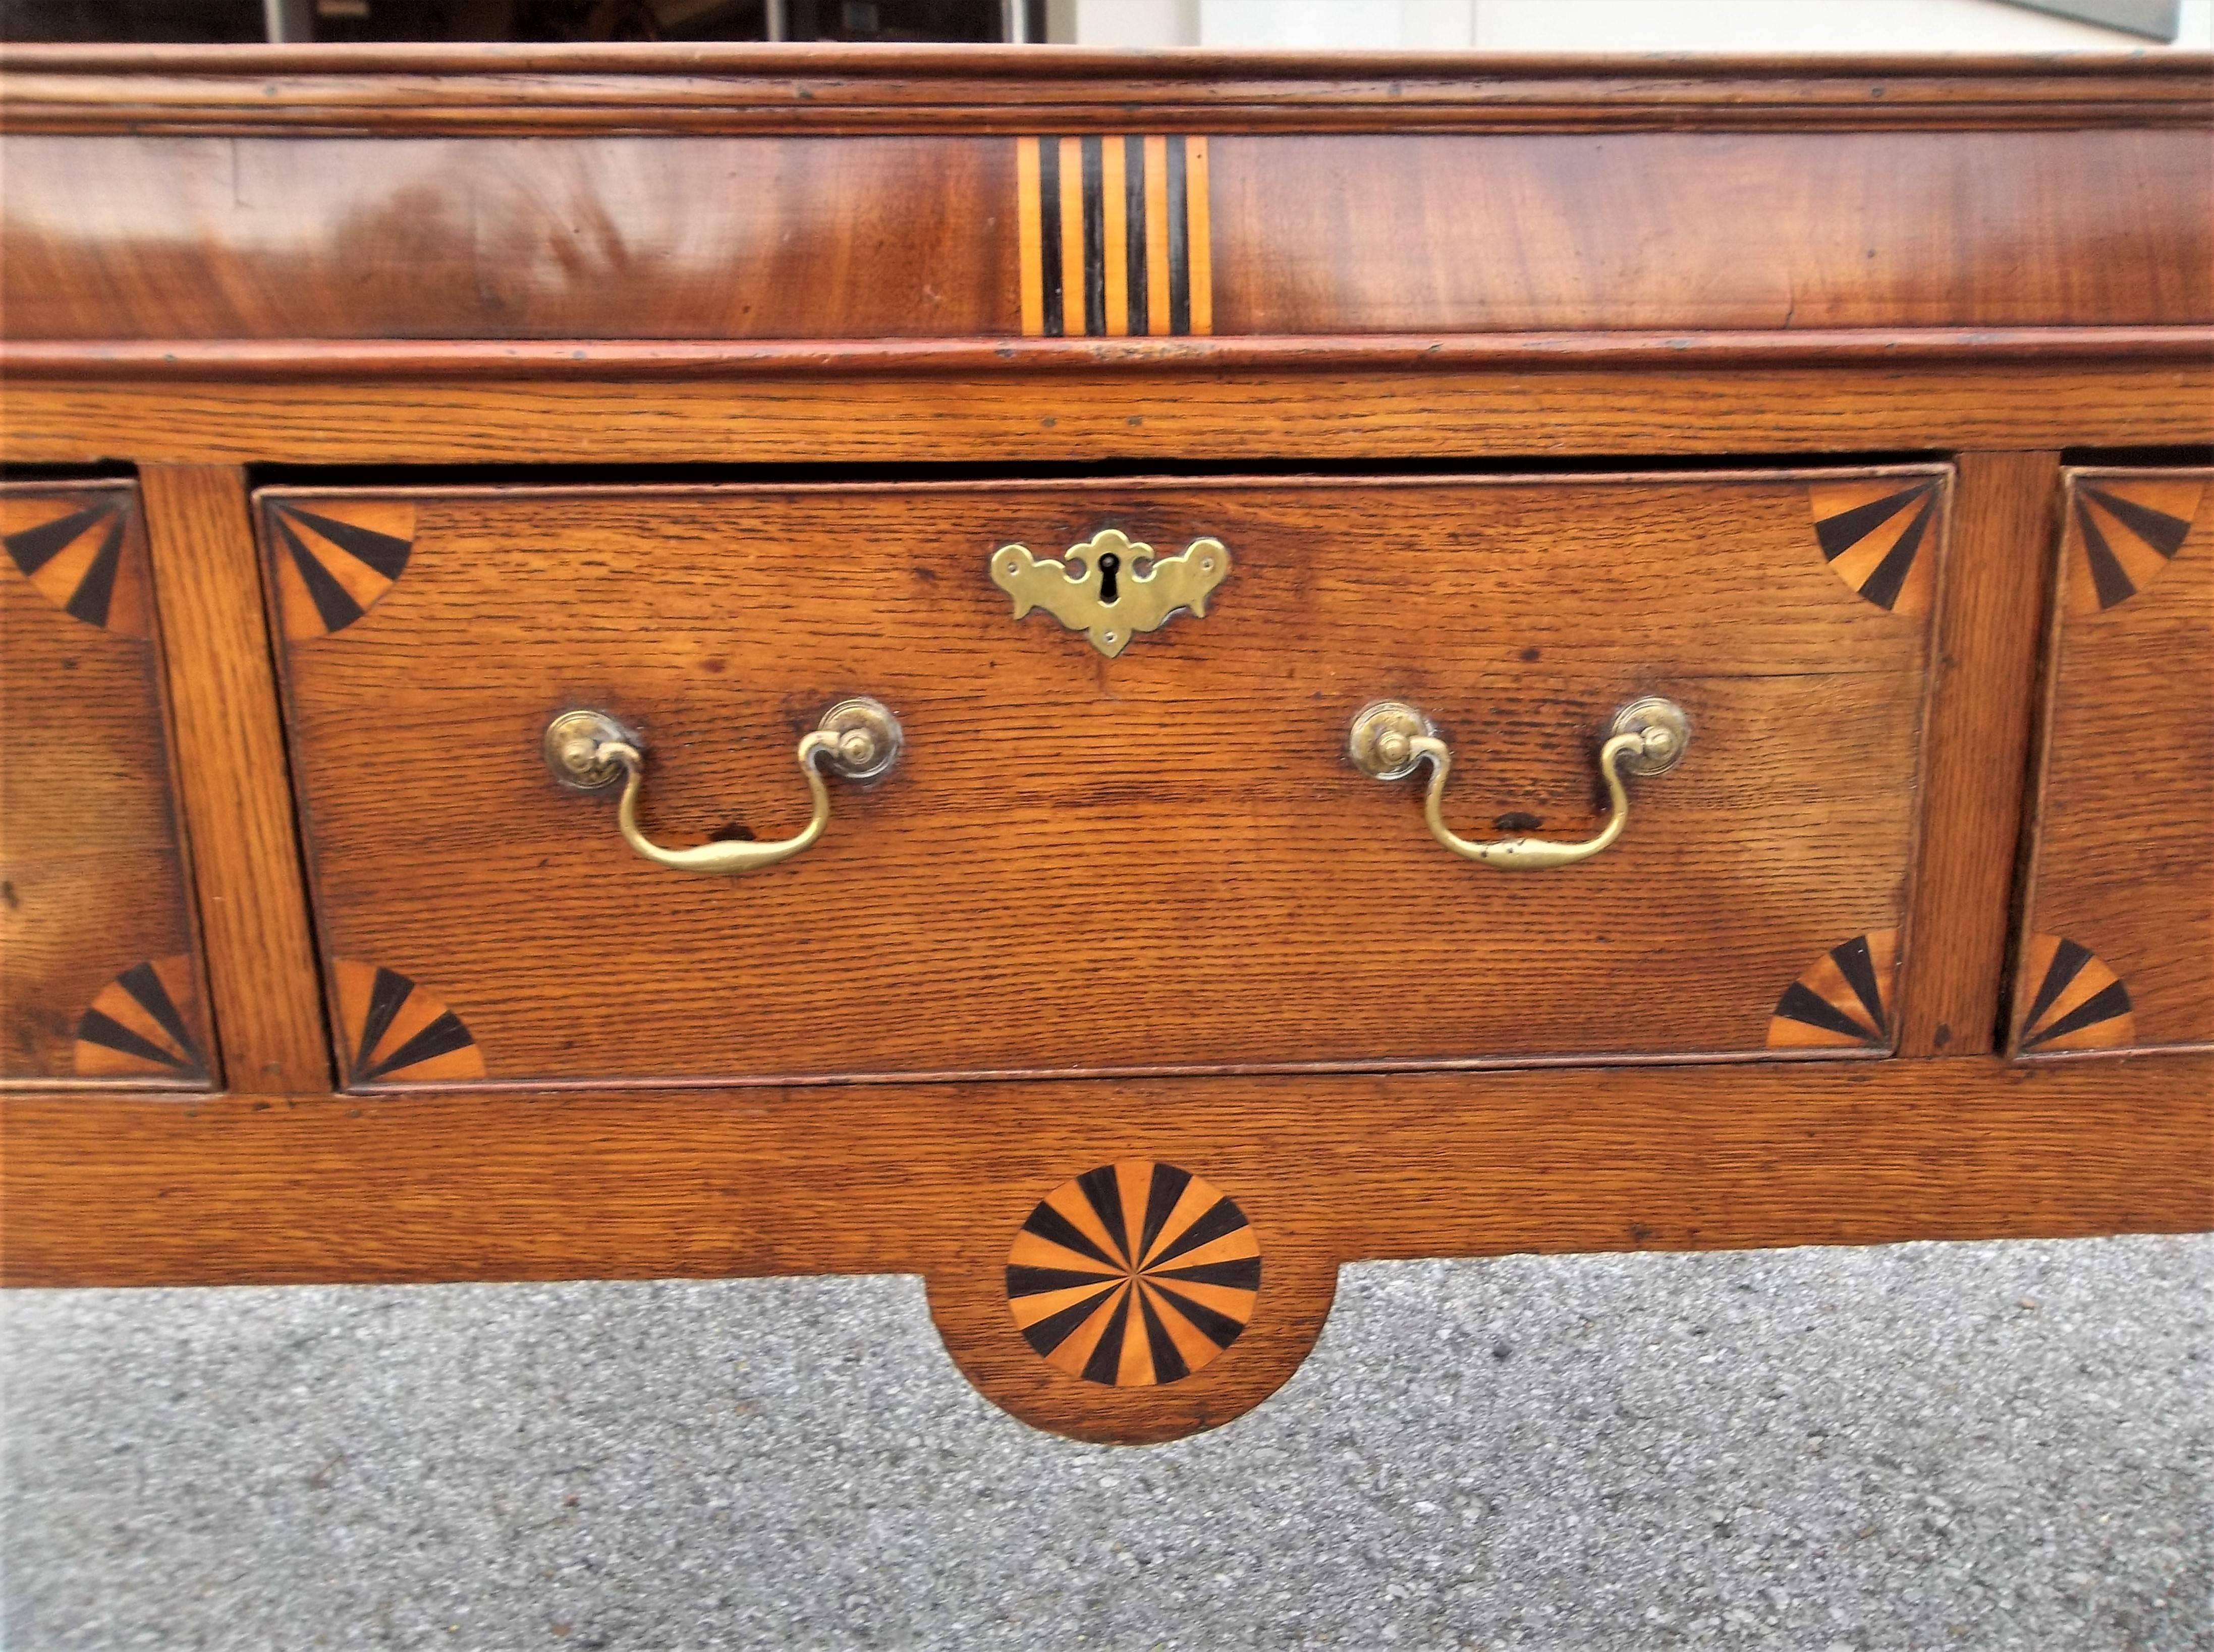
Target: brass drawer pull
[856, 740]
[1390, 739]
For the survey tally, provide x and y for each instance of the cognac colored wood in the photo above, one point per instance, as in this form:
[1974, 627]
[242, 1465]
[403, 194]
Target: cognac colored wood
[935, 1179]
[1160, 417]
[2124, 862]
[231, 766]
[92, 874]
[1160, 859]
[225, 237]
[1977, 756]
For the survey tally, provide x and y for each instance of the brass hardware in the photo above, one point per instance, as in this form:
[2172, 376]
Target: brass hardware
[1102, 591]
[1390, 740]
[856, 740]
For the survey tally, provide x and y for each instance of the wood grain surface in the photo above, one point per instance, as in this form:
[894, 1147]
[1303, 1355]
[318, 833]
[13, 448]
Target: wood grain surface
[1160, 859]
[640, 1184]
[1159, 417]
[900, 236]
[92, 874]
[237, 789]
[2123, 865]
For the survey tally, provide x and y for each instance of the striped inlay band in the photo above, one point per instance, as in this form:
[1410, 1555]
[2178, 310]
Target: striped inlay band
[1114, 233]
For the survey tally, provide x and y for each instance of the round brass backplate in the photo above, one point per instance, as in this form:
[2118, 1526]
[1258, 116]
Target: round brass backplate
[1667, 733]
[574, 744]
[866, 739]
[1378, 739]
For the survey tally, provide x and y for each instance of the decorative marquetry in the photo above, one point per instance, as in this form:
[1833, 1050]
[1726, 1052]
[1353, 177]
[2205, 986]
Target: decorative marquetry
[76, 552]
[1113, 236]
[140, 1025]
[2122, 534]
[1133, 1274]
[1842, 1000]
[331, 568]
[1876, 536]
[395, 1032]
[2074, 1001]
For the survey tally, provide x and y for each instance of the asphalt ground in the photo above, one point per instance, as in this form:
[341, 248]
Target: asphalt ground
[1918, 1446]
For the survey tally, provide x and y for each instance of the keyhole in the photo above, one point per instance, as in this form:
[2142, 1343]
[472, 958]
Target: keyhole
[1109, 562]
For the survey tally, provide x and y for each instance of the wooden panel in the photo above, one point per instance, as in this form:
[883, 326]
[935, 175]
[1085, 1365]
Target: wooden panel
[2118, 947]
[1979, 753]
[1159, 860]
[1079, 414]
[553, 1186]
[237, 791]
[99, 972]
[772, 237]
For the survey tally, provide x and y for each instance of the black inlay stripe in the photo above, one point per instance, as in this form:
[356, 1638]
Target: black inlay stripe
[1169, 1184]
[1095, 239]
[387, 992]
[2108, 1002]
[1048, 1223]
[1104, 1193]
[1221, 1218]
[381, 552]
[1240, 1273]
[1858, 968]
[442, 1037]
[1025, 1281]
[34, 547]
[1218, 1328]
[1168, 1362]
[95, 592]
[1800, 1002]
[1179, 243]
[2163, 533]
[1055, 1329]
[97, 1026]
[1048, 153]
[2068, 960]
[1107, 1358]
[333, 604]
[144, 984]
[1841, 532]
[2108, 577]
[1882, 586]
[1134, 240]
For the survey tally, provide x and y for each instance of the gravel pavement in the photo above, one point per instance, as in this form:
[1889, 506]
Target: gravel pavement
[1918, 1446]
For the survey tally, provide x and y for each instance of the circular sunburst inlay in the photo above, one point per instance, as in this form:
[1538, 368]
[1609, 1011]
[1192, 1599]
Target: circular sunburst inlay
[1133, 1274]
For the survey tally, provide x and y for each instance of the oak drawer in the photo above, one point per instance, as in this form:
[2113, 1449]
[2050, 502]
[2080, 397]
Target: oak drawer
[2118, 946]
[1162, 859]
[100, 969]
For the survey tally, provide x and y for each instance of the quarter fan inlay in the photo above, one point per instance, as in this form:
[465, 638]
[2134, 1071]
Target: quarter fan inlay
[76, 552]
[2123, 535]
[1843, 1000]
[395, 1032]
[1133, 1274]
[333, 568]
[140, 1025]
[2074, 1001]
[1876, 536]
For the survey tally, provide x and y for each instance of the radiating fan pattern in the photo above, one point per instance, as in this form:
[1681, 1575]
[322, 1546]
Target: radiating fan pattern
[335, 562]
[395, 1032]
[1133, 1274]
[1844, 999]
[78, 552]
[140, 1025]
[1878, 537]
[2073, 1002]
[2122, 534]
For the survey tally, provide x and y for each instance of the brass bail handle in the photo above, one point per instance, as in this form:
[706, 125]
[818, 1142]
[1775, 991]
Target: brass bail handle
[856, 740]
[1390, 740]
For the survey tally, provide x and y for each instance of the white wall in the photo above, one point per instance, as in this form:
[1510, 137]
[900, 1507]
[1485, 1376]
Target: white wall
[1607, 26]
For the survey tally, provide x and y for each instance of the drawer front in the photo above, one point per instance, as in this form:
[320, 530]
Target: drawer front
[1100, 852]
[2118, 947]
[99, 972]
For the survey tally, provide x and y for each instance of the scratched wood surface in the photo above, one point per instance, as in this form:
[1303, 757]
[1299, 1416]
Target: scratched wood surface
[646, 1185]
[2124, 868]
[1162, 859]
[92, 876]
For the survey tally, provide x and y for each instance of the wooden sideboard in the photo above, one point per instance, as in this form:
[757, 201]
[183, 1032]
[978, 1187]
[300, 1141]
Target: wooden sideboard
[1133, 567]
